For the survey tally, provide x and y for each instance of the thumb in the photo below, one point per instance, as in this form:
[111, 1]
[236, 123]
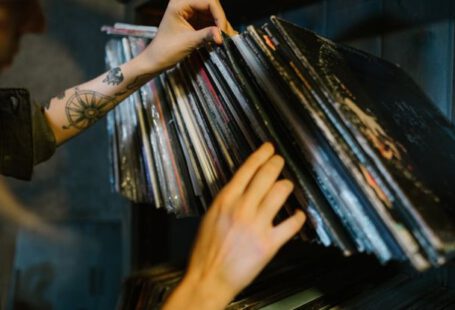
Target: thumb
[209, 34]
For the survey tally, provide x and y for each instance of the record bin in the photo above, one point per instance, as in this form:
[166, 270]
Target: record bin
[409, 33]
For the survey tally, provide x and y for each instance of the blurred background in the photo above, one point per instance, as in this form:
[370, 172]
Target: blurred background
[81, 266]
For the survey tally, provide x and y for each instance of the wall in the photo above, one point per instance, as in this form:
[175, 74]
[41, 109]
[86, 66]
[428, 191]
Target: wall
[418, 35]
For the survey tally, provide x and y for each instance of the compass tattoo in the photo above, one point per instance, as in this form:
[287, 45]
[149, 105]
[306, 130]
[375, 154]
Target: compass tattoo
[86, 107]
[114, 77]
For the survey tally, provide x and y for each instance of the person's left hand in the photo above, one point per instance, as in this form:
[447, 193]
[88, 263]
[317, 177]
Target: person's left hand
[185, 26]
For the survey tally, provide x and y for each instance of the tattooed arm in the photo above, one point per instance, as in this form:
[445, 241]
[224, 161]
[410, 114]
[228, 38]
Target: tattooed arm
[80, 107]
[77, 108]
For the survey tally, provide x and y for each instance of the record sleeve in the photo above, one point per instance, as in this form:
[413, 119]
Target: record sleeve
[217, 169]
[300, 86]
[396, 125]
[202, 158]
[325, 223]
[236, 126]
[364, 233]
[189, 140]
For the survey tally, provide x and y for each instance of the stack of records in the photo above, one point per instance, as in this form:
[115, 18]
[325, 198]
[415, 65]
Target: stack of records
[372, 159]
[326, 282]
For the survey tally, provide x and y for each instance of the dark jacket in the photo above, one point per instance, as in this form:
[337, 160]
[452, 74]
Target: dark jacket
[25, 137]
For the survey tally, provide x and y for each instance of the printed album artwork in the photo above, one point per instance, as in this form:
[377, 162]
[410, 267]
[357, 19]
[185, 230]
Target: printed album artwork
[372, 159]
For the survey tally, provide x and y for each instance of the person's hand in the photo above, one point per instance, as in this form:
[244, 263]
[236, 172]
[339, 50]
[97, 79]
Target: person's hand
[185, 26]
[237, 237]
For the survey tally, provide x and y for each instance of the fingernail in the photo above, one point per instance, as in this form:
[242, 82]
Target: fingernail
[289, 185]
[220, 36]
[278, 159]
[267, 146]
[215, 35]
[300, 214]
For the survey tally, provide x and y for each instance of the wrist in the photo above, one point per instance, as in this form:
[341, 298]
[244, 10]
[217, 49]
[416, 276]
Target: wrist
[198, 293]
[142, 64]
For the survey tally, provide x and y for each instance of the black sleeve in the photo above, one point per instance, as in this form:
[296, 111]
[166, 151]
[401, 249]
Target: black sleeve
[25, 137]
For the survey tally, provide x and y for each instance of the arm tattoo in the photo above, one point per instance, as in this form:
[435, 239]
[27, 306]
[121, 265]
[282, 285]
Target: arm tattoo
[120, 94]
[114, 77]
[139, 81]
[86, 107]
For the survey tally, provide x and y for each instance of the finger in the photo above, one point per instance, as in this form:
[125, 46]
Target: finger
[275, 199]
[243, 176]
[231, 31]
[263, 181]
[288, 229]
[219, 15]
[209, 34]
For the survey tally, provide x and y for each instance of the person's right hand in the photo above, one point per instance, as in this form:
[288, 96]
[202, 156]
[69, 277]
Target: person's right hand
[237, 238]
[185, 26]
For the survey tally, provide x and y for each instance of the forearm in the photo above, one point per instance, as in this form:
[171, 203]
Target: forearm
[80, 107]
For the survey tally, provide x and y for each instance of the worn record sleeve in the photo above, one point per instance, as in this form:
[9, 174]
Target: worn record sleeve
[341, 182]
[202, 158]
[140, 165]
[408, 126]
[360, 169]
[209, 118]
[325, 217]
[132, 172]
[233, 122]
[154, 101]
[111, 62]
[169, 179]
[215, 114]
[365, 233]
[125, 182]
[396, 125]
[189, 149]
[234, 96]
[141, 103]
[291, 111]
[217, 167]
[324, 222]
[232, 132]
[338, 135]
[208, 156]
[182, 150]
[178, 175]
